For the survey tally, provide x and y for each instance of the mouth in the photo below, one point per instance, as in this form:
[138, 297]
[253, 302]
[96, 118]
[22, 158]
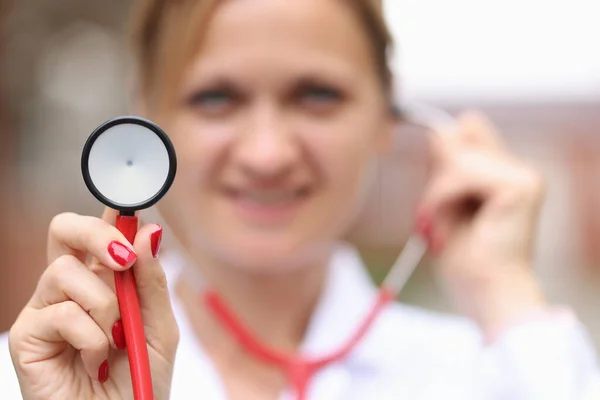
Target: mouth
[268, 205]
[267, 197]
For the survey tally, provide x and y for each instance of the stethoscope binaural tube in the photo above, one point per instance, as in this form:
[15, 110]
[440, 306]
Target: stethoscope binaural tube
[300, 369]
[129, 164]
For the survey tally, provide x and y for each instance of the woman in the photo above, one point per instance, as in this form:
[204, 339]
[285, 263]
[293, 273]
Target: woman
[277, 110]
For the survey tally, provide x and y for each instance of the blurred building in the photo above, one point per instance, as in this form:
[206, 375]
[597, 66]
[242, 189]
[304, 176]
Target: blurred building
[64, 69]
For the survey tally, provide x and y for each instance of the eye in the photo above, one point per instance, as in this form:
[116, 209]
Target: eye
[213, 101]
[319, 98]
[320, 94]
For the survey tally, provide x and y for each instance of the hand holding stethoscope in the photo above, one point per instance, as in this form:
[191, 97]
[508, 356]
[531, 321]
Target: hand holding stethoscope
[76, 339]
[479, 214]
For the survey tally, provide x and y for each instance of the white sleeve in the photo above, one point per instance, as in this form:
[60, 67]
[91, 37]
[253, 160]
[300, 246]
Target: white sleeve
[9, 384]
[546, 359]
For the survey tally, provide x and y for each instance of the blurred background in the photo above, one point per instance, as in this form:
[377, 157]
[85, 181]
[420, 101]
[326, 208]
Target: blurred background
[533, 66]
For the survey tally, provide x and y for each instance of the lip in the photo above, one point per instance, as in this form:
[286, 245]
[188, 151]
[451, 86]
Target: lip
[266, 214]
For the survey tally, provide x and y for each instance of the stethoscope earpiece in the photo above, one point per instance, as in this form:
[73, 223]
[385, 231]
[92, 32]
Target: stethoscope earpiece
[425, 116]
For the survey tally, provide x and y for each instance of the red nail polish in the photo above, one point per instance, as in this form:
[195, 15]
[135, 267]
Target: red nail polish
[423, 224]
[103, 372]
[121, 254]
[155, 240]
[118, 334]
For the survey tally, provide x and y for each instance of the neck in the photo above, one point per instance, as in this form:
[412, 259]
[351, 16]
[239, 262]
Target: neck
[276, 308]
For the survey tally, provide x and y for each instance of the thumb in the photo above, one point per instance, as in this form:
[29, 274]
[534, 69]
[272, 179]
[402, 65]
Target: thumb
[159, 321]
[110, 215]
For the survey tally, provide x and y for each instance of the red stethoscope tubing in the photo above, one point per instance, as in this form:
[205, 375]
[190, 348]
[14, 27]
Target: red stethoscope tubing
[129, 306]
[298, 369]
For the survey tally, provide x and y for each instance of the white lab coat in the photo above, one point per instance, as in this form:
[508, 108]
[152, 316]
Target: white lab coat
[408, 354]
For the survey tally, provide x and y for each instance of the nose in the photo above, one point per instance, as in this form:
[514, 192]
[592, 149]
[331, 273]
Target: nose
[267, 149]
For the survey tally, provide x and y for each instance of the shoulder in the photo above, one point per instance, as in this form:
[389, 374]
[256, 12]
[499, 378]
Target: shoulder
[418, 322]
[9, 384]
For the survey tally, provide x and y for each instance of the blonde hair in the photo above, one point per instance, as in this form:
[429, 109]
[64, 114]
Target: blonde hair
[158, 24]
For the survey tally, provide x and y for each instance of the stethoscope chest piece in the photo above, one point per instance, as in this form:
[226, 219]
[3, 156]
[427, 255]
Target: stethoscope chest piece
[128, 163]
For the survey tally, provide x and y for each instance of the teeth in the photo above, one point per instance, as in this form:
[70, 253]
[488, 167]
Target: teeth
[269, 197]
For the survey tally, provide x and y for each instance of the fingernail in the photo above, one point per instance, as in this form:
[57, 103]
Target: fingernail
[118, 334]
[121, 254]
[424, 227]
[423, 224]
[103, 372]
[155, 239]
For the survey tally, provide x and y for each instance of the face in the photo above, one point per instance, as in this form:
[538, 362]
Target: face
[277, 122]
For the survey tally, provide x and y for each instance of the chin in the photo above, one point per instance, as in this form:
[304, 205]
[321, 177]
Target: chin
[269, 243]
[271, 254]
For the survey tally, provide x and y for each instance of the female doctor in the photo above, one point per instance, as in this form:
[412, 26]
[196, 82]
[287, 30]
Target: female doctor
[277, 109]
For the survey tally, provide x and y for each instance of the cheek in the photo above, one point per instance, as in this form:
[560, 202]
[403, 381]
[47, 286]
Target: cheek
[198, 150]
[346, 160]
[345, 154]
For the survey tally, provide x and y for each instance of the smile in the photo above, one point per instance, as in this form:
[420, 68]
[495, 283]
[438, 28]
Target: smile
[267, 205]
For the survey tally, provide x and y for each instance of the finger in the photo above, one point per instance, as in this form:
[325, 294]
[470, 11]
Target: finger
[477, 130]
[456, 193]
[81, 235]
[478, 181]
[109, 215]
[68, 279]
[443, 143]
[473, 131]
[155, 301]
[453, 188]
[68, 322]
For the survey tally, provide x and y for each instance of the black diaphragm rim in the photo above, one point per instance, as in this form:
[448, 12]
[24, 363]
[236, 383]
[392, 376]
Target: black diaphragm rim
[87, 148]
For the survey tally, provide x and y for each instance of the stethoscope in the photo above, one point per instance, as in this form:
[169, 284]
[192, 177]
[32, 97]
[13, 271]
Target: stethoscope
[129, 164]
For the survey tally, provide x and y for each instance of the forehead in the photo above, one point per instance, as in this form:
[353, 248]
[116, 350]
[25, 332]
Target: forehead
[298, 33]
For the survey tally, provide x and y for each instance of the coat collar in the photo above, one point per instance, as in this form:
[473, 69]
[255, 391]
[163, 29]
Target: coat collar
[348, 297]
